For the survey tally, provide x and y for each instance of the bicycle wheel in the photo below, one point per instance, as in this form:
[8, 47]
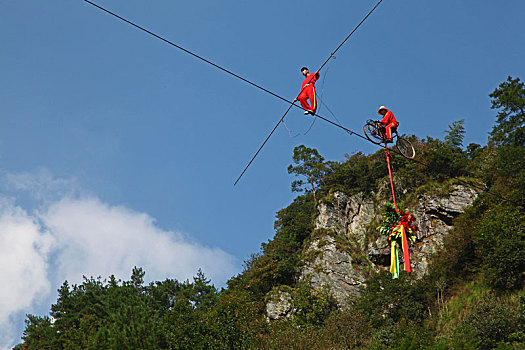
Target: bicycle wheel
[371, 133]
[405, 148]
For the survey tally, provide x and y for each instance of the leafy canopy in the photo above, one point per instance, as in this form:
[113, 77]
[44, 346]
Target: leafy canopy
[311, 165]
[455, 133]
[509, 98]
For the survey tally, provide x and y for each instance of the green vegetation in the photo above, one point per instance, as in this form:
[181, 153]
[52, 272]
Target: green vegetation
[455, 134]
[311, 165]
[509, 98]
[472, 296]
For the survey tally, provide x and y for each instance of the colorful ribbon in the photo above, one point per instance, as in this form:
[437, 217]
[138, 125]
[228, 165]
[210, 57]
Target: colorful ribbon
[394, 261]
[399, 232]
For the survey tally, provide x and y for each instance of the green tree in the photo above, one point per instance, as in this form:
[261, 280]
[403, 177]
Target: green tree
[455, 134]
[310, 164]
[233, 321]
[509, 99]
[386, 301]
[359, 173]
[311, 306]
[507, 174]
[443, 161]
[200, 293]
[500, 240]
[40, 333]
[489, 323]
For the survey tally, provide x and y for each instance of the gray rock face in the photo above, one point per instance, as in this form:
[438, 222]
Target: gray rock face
[436, 214]
[341, 266]
[333, 267]
[346, 215]
[434, 217]
[279, 306]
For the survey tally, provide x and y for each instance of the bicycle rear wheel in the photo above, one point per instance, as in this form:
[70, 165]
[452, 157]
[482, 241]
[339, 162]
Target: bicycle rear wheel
[405, 148]
[371, 133]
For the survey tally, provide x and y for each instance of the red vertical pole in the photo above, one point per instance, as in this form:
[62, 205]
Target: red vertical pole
[390, 175]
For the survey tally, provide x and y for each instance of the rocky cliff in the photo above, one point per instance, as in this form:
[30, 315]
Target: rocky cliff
[346, 246]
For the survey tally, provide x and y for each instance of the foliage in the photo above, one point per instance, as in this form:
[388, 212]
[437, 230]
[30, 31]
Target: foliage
[508, 174]
[128, 315]
[509, 99]
[404, 335]
[455, 134]
[386, 301]
[457, 259]
[392, 218]
[471, 297]
[342, 330]
[311, 165]
[284, 334]
[501, 241]
[443, 161]
[358, 174]
[345, 330]
[489, 323]
[40, 333]
[312, 306]
[234, 321]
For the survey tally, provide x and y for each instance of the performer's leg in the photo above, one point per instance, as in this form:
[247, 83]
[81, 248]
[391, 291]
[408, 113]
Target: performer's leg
[310, 90]
[388, 129]
[302, 98]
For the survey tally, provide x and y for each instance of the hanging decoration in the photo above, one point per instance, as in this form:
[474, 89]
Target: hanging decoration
[399, 227]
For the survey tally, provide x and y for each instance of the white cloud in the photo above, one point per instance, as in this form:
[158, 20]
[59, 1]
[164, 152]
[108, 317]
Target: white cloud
[73, 236]
[24, 252]
[41, 185]
[96, 239]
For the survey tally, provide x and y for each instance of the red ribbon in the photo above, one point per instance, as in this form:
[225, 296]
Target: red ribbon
[406, 254]
[406, 223]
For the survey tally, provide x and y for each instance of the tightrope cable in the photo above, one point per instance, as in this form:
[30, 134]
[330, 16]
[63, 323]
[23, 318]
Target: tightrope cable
[292, 103]
[264, 143]
[276, 95]
[327, 120]
[189, 52]
[200, 57]
[349, 35]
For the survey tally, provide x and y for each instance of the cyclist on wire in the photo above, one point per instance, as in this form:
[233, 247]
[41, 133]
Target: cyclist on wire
[389, 122]
[308, 91]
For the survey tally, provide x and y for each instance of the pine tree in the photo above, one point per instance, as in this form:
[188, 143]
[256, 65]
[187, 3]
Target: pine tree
[509, 98]
[311, 165]
[455, 134]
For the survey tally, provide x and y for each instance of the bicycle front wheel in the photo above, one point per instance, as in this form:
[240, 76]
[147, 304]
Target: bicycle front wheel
[405, 148]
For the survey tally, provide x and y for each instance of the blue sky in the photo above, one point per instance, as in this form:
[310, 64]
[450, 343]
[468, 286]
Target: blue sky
[106, 124]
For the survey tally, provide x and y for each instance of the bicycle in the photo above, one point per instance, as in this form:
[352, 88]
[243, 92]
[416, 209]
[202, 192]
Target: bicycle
[375, 133]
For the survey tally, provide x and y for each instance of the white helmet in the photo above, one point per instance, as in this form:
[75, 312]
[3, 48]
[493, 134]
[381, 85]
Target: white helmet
[380, 108]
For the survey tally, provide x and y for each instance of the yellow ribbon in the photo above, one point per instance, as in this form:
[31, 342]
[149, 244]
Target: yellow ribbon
[394, 261]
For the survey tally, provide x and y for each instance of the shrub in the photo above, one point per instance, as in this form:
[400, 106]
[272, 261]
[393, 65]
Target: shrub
[489, 323]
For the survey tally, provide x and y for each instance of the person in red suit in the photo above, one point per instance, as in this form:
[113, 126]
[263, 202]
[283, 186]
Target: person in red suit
[308, 91]
[389, 122]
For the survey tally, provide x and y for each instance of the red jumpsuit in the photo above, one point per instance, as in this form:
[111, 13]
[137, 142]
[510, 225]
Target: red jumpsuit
[308, 92]
[390, 123]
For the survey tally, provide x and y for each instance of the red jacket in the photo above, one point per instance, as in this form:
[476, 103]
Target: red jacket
[310, 78]
[389, 119]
